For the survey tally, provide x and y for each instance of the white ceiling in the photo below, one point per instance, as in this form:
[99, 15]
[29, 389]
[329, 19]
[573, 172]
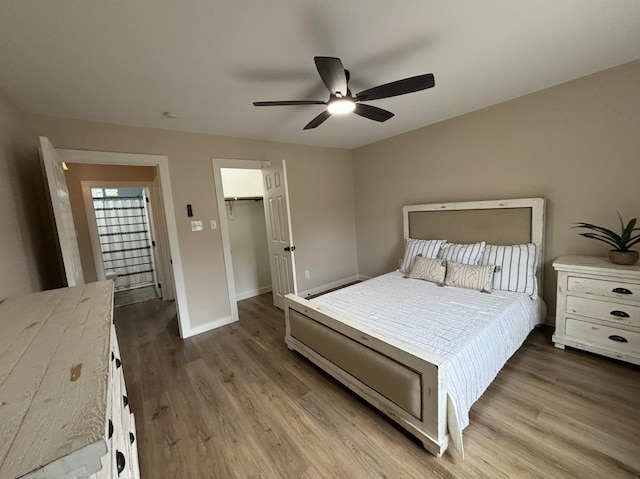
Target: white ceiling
[126, 62]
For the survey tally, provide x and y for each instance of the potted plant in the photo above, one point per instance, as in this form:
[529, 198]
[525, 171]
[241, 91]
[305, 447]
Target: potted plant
[621, 254]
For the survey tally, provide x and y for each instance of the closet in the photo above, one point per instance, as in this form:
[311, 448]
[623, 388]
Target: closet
[244, 207]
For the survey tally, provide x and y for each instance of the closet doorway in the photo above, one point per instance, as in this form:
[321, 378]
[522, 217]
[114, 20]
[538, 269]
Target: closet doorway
[253, 209]
[244, 209]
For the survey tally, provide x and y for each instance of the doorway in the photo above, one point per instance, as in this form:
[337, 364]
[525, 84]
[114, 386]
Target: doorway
[277, 224]
[245, 218]
[162, 195]
[126, 243]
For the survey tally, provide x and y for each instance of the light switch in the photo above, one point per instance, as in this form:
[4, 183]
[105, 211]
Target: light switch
[196, 226]
[214, 225]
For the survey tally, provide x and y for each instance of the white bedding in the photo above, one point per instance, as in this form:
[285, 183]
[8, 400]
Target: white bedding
[475, 332]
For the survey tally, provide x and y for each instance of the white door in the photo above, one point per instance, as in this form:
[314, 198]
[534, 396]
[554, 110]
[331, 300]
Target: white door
[160, 236]
[155, 261]
[281, 248]
[61, 206]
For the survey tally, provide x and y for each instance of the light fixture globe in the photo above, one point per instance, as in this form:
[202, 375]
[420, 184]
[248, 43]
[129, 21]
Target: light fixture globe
[340, 106]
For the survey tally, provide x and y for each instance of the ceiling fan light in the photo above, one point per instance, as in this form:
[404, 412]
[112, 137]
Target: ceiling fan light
[341, 106]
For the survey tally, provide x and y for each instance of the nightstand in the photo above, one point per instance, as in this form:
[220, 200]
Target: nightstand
[598, 307]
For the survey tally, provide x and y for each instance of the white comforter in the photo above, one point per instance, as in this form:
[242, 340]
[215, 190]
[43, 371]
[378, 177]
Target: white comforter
[475, 332]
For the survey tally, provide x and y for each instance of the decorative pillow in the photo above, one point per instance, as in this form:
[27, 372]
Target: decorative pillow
[515, 267]
[415, 247]
[469, 276]
[462, 253]
[429, 269]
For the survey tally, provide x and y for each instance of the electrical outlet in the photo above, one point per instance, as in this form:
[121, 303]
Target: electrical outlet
[214, 225]
[307, 274]
[196, 226]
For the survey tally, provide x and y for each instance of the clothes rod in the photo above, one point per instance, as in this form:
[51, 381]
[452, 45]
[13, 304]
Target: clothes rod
[244, 198]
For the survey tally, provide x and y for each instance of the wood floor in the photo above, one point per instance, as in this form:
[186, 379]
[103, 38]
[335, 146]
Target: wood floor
[236, 403]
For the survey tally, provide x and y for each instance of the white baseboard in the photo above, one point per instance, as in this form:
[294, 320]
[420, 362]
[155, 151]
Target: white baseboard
[252, 293]
[328, 286]
[203, 328]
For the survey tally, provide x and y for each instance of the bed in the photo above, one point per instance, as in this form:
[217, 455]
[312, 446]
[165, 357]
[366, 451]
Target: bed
[419, 352]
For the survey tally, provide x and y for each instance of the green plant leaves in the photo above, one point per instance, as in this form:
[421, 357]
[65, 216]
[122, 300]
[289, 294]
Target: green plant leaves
[621, 242]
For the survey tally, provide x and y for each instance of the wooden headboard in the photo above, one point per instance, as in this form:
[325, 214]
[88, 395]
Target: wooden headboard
[502, 222]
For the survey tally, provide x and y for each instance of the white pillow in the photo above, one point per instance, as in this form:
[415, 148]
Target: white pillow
[462, 253]
[414, 247]
[471, 276]
[429, 269]
[515, 267]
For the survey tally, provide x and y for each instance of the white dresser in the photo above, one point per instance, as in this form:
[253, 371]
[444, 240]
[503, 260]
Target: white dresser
[64, 411]
[598, 307]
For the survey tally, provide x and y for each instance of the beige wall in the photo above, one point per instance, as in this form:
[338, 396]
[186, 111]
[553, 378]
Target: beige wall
[192, 182]
[27, 253]
[85, 172]
[576, 144]
[323, 212]
[249, 246]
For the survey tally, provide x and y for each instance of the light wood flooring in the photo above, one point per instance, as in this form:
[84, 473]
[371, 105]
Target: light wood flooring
[236, 403]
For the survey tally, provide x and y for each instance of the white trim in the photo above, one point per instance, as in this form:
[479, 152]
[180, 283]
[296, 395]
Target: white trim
[162, 163]
[203, 328]
[252, 293]
[328, 286]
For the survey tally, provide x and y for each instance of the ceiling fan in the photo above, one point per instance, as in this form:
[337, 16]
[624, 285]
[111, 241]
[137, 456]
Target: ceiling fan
[341, 101]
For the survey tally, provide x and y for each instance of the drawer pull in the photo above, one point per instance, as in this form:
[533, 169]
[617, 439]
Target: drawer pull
[131, 437]
[621, 291]
[125, 401]
[620, 339]
[118, 363]
[120, 461]
[619, 314]
[110, 429]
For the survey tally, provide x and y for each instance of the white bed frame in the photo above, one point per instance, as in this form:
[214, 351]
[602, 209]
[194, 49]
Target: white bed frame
[435, 425]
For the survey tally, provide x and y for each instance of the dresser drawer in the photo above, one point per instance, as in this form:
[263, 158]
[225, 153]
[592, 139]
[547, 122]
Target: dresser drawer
[605, 310]
[610, 338]
[601, 287]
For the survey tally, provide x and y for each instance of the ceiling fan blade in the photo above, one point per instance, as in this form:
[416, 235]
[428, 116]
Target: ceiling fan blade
[332, 73]
[318, 120]
[372, 112]
[400, 87]
[289, 103]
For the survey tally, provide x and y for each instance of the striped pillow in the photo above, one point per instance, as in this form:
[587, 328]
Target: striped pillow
[462, 253]
[415, 247]
[469, 276]
[515, 267]
[429, 269]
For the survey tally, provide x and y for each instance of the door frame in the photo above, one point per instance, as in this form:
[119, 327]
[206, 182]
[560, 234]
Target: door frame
[161, 162]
